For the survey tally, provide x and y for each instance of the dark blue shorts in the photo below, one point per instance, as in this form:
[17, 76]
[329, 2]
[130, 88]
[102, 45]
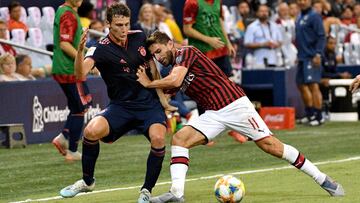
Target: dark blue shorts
[122, 120]
[307, 74]
[78, 96]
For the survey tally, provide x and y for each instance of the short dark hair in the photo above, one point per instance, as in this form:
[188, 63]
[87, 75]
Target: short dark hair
[13, 4]
[20, 58]
[117, 9]
[157, 37]
[85, 9]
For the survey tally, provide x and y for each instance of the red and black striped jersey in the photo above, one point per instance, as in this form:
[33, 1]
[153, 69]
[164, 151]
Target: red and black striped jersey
[205, 82]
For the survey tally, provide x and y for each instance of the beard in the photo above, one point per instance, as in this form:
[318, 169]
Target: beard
[263, 18]
[169, 58]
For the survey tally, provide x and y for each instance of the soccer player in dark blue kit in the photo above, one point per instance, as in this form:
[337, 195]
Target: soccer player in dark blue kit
[118, 57]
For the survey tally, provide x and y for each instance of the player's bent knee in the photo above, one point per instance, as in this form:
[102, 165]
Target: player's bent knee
[178, 140]
[157, 139]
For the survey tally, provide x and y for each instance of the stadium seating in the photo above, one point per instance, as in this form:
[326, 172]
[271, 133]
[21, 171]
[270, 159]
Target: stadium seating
[47, 24]
[4, 13]
[36, 40]
[34, 17]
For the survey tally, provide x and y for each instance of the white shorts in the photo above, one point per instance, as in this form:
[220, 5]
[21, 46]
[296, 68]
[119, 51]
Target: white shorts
[239, 116]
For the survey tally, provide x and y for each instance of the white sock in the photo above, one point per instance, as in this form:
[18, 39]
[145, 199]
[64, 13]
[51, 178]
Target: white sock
[178, 169]
[294, 157]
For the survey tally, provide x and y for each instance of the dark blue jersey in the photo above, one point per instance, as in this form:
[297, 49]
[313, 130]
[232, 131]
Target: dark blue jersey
[118, 66]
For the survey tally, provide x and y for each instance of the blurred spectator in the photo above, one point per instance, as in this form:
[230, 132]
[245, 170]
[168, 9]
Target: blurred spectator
[98, 26]
[246, 16]
[15, 14]
[323, 6]
[85, 12]
[287, 28]
[356, 10]
[173, 26]
[5, 48]
[347, 16]
[24, 67]
[263, 37]
[294, 10]
[310, 41]
[354, 37]
[204, 26]
[160, 16]
[337, 7]
[329, 64]
[8, 67]
[146, 19]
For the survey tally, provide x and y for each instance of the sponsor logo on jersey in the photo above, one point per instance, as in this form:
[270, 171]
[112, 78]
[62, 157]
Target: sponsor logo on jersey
[187, 81]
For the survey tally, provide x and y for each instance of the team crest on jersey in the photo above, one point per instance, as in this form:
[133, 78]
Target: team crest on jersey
[142, 51]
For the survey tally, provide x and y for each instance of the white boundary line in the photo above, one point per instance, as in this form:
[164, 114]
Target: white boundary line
[194, 179]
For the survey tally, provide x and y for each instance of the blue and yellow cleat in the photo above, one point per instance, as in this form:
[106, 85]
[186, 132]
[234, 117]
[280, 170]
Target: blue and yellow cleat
[78, 187]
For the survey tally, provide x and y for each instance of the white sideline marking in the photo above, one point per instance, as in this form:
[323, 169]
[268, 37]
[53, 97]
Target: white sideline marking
[193, 179]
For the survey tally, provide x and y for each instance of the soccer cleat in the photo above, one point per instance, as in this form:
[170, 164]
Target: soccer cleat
[316, 122]
[237, 136]
[332, 187]
[78, 187]
[61, 143]
[72, 156]
[145, 196]
[166, 197]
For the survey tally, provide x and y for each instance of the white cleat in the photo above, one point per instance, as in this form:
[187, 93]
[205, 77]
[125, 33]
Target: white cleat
[144, 196]
[78, 187]
[166, 197]
[333, 188]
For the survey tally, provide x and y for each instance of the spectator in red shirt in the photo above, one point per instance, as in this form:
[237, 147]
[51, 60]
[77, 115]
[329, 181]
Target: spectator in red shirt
[5, 48]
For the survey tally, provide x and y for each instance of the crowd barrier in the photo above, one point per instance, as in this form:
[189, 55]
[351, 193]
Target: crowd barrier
[41, 106]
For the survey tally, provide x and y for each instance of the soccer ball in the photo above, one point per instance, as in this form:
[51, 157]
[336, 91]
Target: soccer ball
[229, 189]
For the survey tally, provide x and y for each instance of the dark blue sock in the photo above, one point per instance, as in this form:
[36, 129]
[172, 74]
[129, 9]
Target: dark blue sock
[309, 112]
[318, 114]
[154, 164]
[65, 131]
[76, 126]
[90, 153]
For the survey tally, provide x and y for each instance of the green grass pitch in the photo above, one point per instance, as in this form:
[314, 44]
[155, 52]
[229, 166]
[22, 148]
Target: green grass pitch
[38, 171]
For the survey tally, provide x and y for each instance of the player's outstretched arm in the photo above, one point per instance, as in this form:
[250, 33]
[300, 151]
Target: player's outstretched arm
[163, 99]
[173, 80]
[355, 84]
[82, 67]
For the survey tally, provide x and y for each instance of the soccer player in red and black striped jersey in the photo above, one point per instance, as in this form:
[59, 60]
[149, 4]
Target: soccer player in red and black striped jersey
[227, 107]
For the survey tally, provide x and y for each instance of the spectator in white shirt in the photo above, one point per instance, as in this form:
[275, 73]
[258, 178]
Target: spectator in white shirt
[263, 37]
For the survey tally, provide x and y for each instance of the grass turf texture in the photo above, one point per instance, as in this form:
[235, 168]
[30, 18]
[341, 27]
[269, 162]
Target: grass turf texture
[38, 171]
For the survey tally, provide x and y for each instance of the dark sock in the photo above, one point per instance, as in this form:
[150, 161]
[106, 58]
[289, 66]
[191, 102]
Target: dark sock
[90, 152]
[76, 125]
[309, 111]
[318, 114]
[154, 164]
[65, 131]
